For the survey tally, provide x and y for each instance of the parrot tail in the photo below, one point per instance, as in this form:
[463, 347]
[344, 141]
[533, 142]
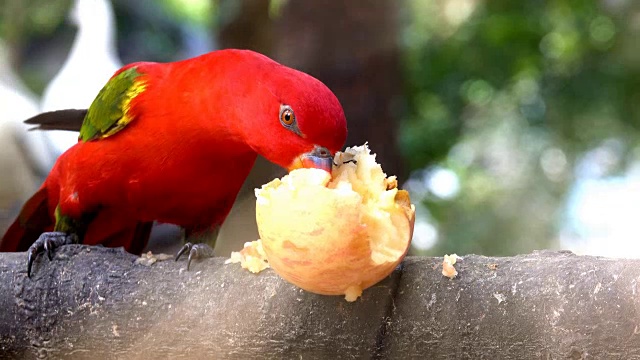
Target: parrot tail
[32, 221]
[70, 120]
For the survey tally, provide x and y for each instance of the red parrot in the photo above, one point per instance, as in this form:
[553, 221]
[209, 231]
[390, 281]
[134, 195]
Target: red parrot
[173, 143]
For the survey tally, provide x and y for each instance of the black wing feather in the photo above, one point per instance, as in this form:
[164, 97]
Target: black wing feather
[69, 119]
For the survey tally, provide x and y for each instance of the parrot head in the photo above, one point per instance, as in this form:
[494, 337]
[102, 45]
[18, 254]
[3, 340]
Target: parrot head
[298, 121]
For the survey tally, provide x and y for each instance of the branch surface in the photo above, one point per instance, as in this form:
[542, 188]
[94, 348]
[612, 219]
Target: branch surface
[94, 302]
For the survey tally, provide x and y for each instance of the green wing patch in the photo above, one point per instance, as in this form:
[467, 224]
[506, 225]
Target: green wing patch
[109, 112]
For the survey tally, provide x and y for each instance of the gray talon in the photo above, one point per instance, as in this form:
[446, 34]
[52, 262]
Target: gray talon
[47, 242]
[196, 251]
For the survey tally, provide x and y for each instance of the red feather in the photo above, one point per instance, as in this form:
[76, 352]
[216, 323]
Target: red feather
[32, 221]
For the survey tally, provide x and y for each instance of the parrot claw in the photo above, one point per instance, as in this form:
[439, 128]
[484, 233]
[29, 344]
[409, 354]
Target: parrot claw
[196, 251]
[47, 242]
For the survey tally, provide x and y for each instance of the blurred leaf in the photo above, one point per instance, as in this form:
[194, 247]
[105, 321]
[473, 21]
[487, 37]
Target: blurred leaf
[500, 94]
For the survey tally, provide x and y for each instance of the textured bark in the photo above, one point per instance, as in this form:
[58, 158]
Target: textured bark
[93, 302]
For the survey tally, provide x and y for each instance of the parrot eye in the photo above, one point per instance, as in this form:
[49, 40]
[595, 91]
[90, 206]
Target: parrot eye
[288, 119]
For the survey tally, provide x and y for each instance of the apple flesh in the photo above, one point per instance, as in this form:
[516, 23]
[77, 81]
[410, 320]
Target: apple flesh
[339, 233]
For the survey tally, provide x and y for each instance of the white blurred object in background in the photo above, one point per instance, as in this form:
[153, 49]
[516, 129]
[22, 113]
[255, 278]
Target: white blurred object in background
[91, 62]
[603, 205]
[23, 155]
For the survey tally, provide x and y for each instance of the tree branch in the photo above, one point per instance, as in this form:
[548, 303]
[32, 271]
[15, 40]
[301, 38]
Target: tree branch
[93, 302]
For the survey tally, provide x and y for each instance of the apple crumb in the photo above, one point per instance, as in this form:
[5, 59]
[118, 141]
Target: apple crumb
[448, 269]
[252, 257]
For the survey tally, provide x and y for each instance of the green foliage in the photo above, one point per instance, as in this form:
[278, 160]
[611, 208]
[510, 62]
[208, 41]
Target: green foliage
[509, 94]
[20, 19]
[195, 12]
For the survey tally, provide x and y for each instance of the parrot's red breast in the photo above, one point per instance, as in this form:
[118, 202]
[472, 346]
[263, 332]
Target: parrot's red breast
[182, 140]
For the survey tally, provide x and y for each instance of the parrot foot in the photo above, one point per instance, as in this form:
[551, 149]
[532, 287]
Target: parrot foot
[196, 251]
[46, 243]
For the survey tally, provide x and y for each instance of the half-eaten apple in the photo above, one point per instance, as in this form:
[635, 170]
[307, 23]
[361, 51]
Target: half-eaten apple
[339, 233]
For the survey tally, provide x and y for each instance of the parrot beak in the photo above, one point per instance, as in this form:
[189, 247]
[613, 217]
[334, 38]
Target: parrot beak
[318, 158]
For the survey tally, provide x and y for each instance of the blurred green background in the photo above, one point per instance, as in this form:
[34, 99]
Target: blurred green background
[515, 125]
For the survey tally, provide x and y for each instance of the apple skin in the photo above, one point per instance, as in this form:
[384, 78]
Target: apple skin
[326, 241]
